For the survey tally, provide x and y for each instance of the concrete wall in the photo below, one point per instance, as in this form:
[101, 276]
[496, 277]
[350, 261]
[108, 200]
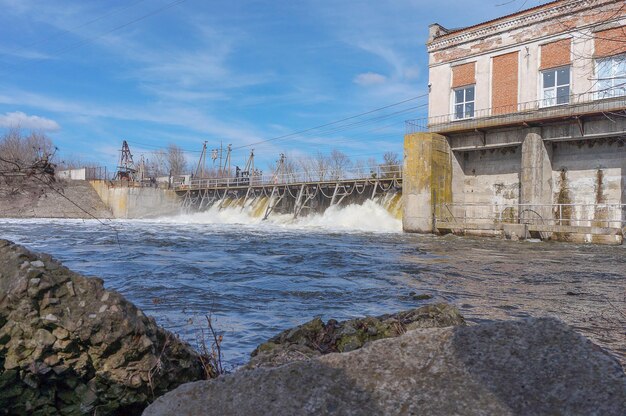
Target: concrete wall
[538, 180]
[590, 174]
[137, 202]
[427, 179]
[491, 177]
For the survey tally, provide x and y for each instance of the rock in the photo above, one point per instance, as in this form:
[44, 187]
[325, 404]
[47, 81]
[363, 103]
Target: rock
[316, 338]
[37, 263]
[422, 296]
[530, 367]
[70, 347]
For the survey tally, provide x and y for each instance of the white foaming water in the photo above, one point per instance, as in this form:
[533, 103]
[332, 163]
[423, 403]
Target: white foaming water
[369, 217]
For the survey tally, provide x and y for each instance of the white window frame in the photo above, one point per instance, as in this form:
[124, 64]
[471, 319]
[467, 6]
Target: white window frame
[464, 102]
[553, 100]
[615, 84]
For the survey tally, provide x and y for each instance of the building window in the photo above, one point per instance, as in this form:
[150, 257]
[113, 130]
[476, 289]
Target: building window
[611, 74]
[555, 86]
[464, 103]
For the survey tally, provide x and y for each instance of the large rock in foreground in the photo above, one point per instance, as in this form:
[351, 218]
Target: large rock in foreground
[316, 338]
[532, 367]
[68, 346]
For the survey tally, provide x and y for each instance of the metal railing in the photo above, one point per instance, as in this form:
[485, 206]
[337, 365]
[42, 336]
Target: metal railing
[381, 172]
[579, 215]
[579, 104]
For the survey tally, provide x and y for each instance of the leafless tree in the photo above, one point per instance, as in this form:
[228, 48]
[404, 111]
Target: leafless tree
[339, 163]
[372, 164]
[322, 166]
[17, 149]
[176, 162]
[156, 164]
[26, 157]
[390, 166]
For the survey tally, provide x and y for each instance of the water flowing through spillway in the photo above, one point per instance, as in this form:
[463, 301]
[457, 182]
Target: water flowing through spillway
[259, 277]
[381, 214]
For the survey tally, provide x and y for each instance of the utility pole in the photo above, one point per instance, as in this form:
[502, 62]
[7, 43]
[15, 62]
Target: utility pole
[200, 169]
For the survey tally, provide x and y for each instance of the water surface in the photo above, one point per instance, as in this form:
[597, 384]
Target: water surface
[257, 279]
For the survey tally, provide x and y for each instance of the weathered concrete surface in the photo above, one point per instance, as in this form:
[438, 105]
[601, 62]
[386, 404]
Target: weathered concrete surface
[316, 338]
[427, 179]
[70, 347]
[31, 199]
[532, 367]
[137, 202]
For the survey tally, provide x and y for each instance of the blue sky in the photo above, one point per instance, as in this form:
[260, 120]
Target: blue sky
[91, 73]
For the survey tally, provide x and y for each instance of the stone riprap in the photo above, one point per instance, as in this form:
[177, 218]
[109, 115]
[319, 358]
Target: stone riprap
[70, 347]
[530, 367]
[316, 338]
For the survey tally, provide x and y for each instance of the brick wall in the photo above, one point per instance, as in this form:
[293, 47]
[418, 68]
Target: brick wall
[555, 54]
[610, 42]
[463, 75]
[504, 82]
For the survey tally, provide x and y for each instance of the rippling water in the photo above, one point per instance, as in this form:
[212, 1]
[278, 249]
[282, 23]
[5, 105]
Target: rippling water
[257, 279]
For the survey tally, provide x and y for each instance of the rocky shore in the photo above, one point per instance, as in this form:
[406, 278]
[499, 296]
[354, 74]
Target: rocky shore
[530, 367]
[70, 347]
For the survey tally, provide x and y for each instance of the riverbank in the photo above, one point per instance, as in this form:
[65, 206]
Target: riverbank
[61, 199]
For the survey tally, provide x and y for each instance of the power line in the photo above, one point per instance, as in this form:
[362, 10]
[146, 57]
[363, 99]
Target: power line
[312, 129]
[329, 124]
[62, 32]
[91, 39]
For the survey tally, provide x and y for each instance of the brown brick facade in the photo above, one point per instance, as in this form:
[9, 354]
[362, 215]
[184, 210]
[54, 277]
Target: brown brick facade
[556, 54]
[470, 42]
[610, 42]
[463, 75]
[504, 82]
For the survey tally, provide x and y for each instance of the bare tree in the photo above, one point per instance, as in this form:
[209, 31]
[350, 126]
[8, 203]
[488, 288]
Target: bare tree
[22, 157]
[157, 164]
[176, 162]
[339, 163]
[372, 164]
[307, 167]
[360, 168]
[322, 165]
[19, 150]
[391, 165]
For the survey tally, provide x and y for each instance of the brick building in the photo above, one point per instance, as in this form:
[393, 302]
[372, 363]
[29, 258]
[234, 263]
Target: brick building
[526, 126]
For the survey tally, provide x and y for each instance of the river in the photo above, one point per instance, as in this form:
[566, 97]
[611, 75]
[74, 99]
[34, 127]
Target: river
[257, 278]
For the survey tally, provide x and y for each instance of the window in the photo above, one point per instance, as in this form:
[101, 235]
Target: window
[464, 103]
[611, 73]
[555, 86]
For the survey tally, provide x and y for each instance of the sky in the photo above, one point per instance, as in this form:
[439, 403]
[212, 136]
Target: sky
[252, 73]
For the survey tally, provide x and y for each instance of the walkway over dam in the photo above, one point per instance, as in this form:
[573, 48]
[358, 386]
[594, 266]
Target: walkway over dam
[298, 193]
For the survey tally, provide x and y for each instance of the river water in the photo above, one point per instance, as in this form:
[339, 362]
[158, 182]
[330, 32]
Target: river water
[258, 278]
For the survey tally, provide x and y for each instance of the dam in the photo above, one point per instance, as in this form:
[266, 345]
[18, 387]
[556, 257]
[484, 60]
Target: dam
[294, 194]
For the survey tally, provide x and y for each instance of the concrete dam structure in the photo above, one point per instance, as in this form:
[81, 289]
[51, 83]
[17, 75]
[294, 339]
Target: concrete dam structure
[291, 195]
[526, 134]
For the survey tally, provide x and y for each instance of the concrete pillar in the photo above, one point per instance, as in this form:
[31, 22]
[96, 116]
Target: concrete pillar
[426, 179]
[536, 174]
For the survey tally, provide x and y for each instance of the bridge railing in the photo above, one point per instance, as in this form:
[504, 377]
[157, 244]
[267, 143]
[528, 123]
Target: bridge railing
[388, 172]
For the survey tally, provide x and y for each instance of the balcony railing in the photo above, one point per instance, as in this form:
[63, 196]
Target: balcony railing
[527, 112]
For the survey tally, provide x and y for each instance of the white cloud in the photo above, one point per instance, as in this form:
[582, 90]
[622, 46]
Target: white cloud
[370, 78]
[22, 120]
